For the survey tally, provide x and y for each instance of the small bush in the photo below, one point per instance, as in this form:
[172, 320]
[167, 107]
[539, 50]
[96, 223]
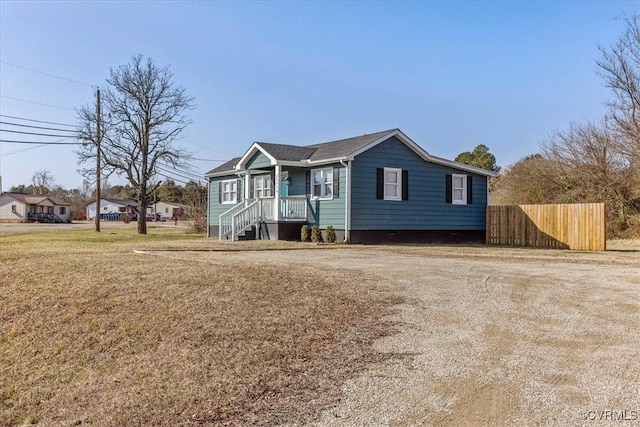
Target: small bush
[316, 234]
[304, 233]
[330, 234]
[126, 218]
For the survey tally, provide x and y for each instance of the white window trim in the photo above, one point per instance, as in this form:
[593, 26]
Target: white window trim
[398, 183]
[264, 179]
[464, 189]
[231, 182]
[323, 184]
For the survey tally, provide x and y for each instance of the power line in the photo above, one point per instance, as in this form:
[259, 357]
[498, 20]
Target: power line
[177, 174]
[186, 172]
[34, 127]
[47, 74]
[24, 149]
[37, 121]
[210, 160]
[33, 133]
[207, 148]
[172, 178]
[36, 103]
[10, 141]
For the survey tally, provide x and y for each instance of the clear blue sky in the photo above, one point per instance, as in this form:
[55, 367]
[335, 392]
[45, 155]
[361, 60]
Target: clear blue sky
[451, 75]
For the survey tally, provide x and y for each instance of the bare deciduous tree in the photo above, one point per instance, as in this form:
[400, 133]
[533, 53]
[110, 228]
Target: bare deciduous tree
[194, 198]
[43, 183]
[620, 70]
[597, 167]
[144, 114]
[532, 179]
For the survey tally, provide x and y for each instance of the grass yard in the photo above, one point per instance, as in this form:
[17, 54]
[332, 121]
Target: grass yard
[92, 333]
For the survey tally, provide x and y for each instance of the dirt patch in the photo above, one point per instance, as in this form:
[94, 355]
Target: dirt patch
[492, 336]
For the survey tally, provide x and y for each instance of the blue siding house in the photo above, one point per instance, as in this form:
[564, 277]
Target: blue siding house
[379, 187]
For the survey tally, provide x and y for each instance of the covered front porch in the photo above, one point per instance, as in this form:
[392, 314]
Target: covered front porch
[43, 212]
[268, 217]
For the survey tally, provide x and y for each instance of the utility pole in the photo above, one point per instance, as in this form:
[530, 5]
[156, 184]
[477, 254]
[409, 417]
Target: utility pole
[98, 141]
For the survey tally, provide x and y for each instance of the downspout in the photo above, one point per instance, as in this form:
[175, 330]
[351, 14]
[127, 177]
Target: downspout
[347, 201]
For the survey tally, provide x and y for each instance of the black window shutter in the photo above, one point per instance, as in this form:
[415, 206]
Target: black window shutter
[220, 192]
[336, 182]
[251, 187]
[380, 183]
[405, 184]
[308, 183]
[449, 189]
[239, 188]
[469, 189]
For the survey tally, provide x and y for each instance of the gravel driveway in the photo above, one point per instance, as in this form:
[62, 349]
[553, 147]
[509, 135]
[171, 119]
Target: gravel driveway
[492, 336]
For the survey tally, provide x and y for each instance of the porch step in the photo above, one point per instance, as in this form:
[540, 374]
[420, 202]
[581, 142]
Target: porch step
[249, 233]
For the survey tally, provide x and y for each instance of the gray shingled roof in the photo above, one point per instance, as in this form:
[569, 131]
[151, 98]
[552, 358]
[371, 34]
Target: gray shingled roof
[124, 202]
[315, 152]
[287, 152]
[225, 167]
[344, 147]
[34, 200]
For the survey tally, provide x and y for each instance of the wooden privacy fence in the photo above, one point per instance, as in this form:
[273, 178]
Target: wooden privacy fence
[564, 226]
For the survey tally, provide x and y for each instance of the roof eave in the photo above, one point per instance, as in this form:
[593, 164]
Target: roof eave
[225, 173]
[327, 161]
[462, 166]
[423, 154]
[250, 152]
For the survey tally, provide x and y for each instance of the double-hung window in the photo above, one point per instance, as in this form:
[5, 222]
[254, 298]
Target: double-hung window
[392, 184]
[459, 189]
[322, 183]
[229, 191]
[262, 186]
[14, 208]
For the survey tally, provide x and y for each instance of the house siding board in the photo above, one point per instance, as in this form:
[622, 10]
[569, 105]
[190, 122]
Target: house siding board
[329, 212]
[258, 161]
[216, 208]
[297, 180]
[6, 214]
[426, 208]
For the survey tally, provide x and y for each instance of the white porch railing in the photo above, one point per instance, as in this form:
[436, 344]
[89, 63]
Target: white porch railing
[232, 222]
[268, 211]
[224, 220]
[246, 218]
[293, 208]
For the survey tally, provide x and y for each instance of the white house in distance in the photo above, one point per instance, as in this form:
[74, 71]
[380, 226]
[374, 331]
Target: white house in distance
[20, 207]
[112, 208]
[167, 210]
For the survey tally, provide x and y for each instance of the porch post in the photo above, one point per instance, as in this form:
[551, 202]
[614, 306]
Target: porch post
[247, 186]
[276, 192]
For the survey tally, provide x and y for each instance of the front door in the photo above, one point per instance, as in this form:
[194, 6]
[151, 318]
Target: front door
[284, 184]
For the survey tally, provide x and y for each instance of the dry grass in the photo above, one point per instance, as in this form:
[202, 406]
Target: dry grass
[93, 334]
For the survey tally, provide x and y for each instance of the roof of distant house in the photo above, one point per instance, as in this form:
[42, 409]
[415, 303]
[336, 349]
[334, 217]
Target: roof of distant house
[35, 200]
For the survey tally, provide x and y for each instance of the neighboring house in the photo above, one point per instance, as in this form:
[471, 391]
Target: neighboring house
[110, 209]
[167, 210]
[372, 188]
[20, 207]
